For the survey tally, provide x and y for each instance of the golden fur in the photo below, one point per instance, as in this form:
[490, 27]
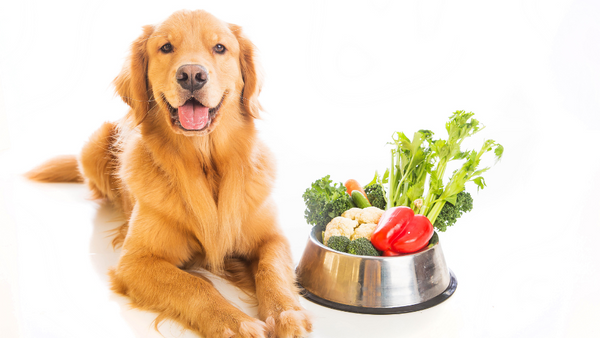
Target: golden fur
[193, 199]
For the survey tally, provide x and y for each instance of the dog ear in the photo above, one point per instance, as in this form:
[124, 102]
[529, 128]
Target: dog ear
[132, 83]
[250, 73]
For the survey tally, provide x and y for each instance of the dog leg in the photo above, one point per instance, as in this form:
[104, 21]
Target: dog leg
[148, 273]
[277, 294]
[154, 284]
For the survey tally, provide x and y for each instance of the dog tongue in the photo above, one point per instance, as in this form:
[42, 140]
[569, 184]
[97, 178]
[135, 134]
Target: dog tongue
[192, 115]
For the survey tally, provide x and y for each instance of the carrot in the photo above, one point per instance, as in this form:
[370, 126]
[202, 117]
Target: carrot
[352, 184]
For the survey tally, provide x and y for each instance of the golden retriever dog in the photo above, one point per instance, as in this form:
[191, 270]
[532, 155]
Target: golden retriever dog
[188, 172]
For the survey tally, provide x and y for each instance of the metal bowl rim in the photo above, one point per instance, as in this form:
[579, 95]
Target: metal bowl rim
[315, 240]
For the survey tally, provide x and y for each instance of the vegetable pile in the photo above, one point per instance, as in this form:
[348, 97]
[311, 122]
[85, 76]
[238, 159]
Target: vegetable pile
[368, 221]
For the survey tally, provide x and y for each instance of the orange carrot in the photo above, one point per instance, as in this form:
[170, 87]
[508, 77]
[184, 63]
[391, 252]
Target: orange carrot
[352, 184]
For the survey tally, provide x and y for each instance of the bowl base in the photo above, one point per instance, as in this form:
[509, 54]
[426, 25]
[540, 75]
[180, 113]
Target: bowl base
[387, 310]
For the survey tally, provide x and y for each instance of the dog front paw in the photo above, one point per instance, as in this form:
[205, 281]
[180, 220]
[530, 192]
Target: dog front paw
[246, 329]
[289, 324]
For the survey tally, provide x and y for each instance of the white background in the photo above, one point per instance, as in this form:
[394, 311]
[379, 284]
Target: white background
[340, 78]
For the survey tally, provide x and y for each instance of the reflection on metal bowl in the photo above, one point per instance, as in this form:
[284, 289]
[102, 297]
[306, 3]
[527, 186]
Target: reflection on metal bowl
[374, 285]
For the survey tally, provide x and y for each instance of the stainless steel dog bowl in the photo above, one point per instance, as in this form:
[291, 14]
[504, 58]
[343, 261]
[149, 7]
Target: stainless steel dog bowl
[374, 285]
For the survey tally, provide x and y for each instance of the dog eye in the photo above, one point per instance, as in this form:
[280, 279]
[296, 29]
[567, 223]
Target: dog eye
[166, 48]
[219, 48]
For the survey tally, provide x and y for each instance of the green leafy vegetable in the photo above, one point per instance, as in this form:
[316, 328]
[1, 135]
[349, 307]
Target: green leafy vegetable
[325, 201]
[411, 162]
[423, 159]
[438, 196]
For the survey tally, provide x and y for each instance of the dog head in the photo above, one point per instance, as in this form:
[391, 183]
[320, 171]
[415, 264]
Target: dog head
[190, 69]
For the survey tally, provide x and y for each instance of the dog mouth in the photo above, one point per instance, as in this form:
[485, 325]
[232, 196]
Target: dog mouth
[193, 115]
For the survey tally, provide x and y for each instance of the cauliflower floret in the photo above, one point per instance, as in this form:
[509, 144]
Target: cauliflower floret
[352, 213]
[369, 215]
[364, 231]
[363, 216]
[339, 226]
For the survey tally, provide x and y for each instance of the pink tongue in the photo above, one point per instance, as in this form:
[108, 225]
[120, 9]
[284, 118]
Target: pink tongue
[193, 116]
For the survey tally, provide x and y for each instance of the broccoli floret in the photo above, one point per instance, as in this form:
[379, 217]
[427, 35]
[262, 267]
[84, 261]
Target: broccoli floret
[376, 195]
[338, 243]
[325, 201]
[363, 247]
[450, 213]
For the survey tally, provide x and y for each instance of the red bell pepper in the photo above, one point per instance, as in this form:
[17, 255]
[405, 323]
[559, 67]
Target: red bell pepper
[390, 225]
[400, 231]
[390, 253]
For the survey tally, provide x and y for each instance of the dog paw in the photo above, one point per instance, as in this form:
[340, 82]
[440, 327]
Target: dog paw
[246, 329]
[289, 324]
[254, 329]
[234, 327]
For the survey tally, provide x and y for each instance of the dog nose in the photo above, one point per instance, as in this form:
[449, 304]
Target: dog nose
[192, 77]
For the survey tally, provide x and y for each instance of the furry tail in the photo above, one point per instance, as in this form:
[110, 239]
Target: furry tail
[59, 169]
